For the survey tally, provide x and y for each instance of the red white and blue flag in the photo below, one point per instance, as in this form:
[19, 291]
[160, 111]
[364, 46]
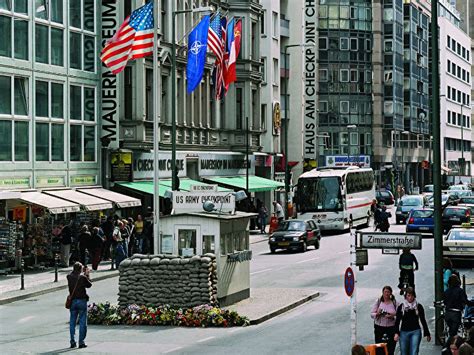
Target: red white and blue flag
[133, 40]
[234, 30]
[216, 42]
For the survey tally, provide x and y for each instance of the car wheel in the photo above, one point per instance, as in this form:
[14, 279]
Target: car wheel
[316, 244]
[304, 247]
[272, 250]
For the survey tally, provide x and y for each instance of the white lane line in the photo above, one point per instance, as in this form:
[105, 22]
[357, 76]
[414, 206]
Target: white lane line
[25, 319]
[205, 339]
[258, 272]
[305, 261]
[171, 350]
[343, 252]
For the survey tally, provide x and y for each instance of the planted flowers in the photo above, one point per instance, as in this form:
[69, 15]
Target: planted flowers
[199, 316]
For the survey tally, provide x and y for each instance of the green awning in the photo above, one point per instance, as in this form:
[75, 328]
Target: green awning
[147, 186]
[256, 183]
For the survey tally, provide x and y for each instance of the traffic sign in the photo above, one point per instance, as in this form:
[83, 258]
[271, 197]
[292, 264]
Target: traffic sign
[390, 240]
[349, 282]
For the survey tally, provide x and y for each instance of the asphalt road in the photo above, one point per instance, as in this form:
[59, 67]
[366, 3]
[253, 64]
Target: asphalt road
[322, 326]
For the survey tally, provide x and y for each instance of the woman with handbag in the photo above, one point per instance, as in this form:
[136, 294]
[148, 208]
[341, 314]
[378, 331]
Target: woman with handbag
[383, 313]
[77, 302]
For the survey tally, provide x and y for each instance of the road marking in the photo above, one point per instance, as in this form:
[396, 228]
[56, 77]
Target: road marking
[171, 350]
[205, 339]
[25, 319]
[258, 272]
[343, 252]
[236, 329]
[305, 261]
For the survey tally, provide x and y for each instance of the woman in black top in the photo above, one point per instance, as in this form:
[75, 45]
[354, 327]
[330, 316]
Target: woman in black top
[409, 315]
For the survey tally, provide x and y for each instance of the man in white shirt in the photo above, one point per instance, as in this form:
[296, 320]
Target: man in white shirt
[279, 211]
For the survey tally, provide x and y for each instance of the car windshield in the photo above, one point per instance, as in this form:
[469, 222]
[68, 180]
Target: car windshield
[461, 235]
[428, 188]
[292, 226]
[454, 212]
[467, 200]
[410, 201]
[444, 198]
[422, 214]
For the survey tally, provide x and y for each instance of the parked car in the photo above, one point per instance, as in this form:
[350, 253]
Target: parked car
[421, 220]
[455, 216]
[466, 200]
[295, 234]
[446, 200]
[386, 197]
[459, 244]
[458, 187]
[406, 204]
[428, 190]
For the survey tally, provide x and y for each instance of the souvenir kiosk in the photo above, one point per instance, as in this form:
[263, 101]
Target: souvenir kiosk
[206, 222]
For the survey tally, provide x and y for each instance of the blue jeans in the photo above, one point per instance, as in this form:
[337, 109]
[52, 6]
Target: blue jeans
[78, 308]
[410, 342]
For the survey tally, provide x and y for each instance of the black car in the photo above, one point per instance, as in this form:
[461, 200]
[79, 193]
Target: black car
[385, 197]
[455, 216]
[295, 234]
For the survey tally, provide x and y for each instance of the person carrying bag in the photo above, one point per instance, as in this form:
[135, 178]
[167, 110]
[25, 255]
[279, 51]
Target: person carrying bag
[383, 313]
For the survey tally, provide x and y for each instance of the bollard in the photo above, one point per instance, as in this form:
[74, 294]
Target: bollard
[56, 259]
[22, 275]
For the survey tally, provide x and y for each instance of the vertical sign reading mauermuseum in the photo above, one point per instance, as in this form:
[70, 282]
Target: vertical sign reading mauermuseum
[310, 112]
[110, 82]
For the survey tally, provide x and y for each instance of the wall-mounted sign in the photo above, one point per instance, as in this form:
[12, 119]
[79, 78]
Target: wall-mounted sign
[186, 202]
[49, 181]
[19, 213]
[121, 164]
[80, 180]
[203, 188]
[276, 118]
[341, 160]
[7, 183]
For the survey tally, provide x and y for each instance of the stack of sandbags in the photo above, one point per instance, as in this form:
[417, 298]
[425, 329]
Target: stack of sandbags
[155, 280]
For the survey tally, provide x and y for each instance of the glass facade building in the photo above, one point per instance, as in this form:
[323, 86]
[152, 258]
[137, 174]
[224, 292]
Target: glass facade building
[345, 76]
[49, 82]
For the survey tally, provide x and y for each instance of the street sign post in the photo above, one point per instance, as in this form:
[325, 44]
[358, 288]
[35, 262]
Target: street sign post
[390, 240]
[349, 282]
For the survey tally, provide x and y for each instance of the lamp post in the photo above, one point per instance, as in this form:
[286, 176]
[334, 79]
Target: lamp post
[349, 127]
[287, 171]
[174, 172]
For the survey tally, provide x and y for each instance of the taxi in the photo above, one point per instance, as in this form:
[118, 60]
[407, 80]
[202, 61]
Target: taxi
[459, 243]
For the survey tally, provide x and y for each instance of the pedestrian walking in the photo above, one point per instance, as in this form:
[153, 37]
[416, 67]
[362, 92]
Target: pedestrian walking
[78, 284]
[383, 312]
[66, 241]
[131, 233]
[139, 224]
[108, 229]
[407, 324]
[280, 214]
[85, 244]
[447, 271]
[97, 243]
[262, 218]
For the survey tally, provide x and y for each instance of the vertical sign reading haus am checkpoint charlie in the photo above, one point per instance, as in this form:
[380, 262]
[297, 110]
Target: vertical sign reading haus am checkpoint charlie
[310, 111]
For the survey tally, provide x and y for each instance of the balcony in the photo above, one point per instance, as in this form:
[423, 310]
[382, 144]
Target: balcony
[284, 28]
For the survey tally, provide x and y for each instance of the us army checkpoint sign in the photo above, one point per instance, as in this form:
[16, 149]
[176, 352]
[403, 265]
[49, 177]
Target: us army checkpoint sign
[390, 240]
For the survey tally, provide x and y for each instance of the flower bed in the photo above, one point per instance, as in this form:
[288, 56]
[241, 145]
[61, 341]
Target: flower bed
[200, 316]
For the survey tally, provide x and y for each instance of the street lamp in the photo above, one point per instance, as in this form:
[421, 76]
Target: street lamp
[174, 172]
[349, 127]
[287, 171]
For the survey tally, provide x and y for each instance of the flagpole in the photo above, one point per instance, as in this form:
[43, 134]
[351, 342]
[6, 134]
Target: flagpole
[156, 136]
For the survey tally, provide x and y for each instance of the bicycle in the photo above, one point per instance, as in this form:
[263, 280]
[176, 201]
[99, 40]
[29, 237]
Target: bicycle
[443, 337]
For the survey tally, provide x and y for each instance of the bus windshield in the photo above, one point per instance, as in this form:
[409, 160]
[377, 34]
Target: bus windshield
[321, 194]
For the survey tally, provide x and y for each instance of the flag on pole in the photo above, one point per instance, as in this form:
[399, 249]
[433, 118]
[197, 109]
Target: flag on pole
[233, 47]
[215, 37]
[216, 42]
[133, 40]
[197, 47]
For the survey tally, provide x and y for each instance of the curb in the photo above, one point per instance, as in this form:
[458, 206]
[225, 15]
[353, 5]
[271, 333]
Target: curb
[49, 290]
[284, 309]
[259, 241]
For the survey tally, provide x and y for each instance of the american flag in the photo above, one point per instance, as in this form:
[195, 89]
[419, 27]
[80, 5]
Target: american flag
[215, 36]
[220, 65]
[133, 40]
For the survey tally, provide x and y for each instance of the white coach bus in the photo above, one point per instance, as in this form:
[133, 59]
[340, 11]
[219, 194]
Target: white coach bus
[335, 198]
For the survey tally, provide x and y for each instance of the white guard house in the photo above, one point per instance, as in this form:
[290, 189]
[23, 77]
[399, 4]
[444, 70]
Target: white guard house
[206, 222]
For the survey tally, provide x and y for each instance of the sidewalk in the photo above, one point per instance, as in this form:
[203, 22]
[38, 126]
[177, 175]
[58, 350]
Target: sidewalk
[41, 282]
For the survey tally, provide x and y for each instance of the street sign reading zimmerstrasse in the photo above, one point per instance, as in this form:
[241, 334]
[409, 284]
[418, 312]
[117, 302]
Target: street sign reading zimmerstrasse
[390, 241]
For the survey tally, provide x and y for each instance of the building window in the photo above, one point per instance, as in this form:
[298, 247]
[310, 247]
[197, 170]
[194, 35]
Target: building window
[323, 43]
[276, 24]
[344, 107]
[323, 106]
[57, 142]
[42, 44]
[262, 22]
[82, 54]
[22, 141]
[354, 45]
[6, 141]
[323, 75]
[239, 108]
[344, 75]
[75, 143]
[354, 75]
[42, 141]
[344, 44]
[276, 72]
[449, 116]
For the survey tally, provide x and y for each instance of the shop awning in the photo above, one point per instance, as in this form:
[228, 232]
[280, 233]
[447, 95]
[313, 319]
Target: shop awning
[90, 203]
[121, 200]
[256, 183]
[165, 184]
[52, 204]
